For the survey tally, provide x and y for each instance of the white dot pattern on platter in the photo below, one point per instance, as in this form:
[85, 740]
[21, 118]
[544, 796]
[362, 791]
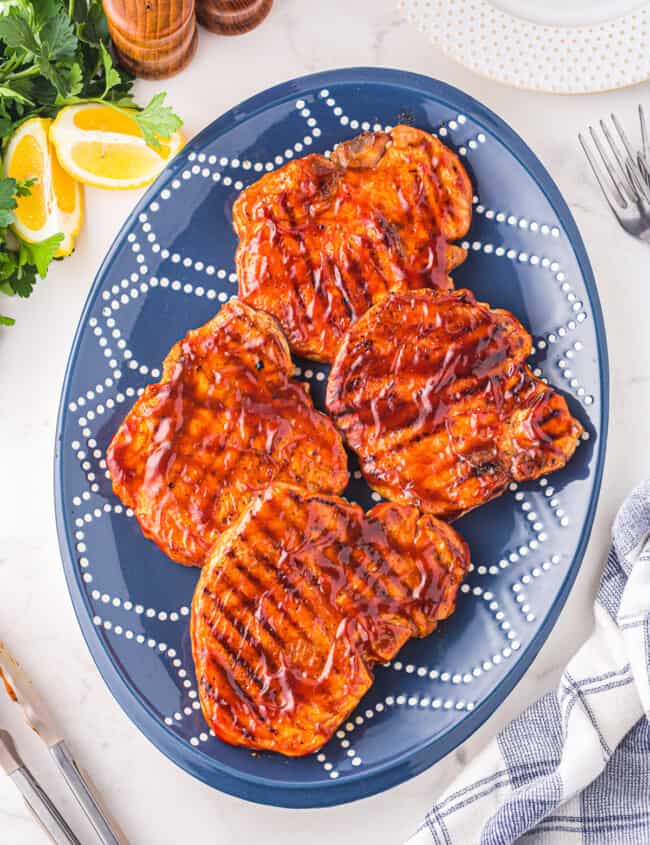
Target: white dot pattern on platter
[575, 306]
[188, 262]
[87, 462]
[570, 383]
[514, 254]
[164, 283]
[94, 463]
[301, 146]
[441, 130]
[123, 352]
[122, 395]
[149, 642]
[467, 676]
[321, 757]
[554, 503]
[532, 519]
[351, 123]
[344, 733]
[207, 166]
[519, 587]
[565, 364]
[531, 546]
[522, 223]
[472, 143]
[403, 699]
[139, 609]
[98, 512]
[312, 128]
[570, 326]
[75, 406]
[125, 604]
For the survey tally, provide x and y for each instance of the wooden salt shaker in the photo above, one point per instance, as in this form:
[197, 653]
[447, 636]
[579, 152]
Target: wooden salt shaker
[232, 17]
[153, 38]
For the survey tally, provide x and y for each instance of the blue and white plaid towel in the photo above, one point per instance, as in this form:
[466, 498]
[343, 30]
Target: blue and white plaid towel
[575, 766]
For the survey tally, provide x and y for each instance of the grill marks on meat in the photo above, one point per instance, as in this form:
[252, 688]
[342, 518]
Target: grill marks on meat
[432, 392]
[300, 598]
[321, 240]
[225, 420]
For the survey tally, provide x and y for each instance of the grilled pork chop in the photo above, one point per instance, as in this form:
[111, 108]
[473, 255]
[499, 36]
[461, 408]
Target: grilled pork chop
[321, 239]
[432, 392]
[300, 598]
[224, 421]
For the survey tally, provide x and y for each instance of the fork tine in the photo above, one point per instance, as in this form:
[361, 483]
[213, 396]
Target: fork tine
[631, 168]
[644, 133]
[635, 177]
[616, 202]
[618, 186]
[627, 186]
[643, 156]
[642, 163]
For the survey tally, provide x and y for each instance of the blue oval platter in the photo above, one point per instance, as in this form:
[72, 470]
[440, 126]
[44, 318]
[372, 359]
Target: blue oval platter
[170, 268]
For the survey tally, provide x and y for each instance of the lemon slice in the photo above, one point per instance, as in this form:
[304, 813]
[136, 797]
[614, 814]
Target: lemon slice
[101, 146]
[55, 202]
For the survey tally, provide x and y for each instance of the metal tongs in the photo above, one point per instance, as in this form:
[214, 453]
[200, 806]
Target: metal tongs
[37, 801]
[37, 716]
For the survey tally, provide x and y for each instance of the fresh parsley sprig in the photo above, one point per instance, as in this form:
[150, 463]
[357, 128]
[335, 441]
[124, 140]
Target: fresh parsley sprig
[54, 54]
[20, 261]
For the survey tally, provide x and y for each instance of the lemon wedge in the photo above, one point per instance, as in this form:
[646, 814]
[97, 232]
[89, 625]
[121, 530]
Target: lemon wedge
[55, 202]
[101, 146]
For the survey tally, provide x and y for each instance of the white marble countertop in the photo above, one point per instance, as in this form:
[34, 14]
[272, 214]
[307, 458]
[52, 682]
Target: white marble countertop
[155, 801]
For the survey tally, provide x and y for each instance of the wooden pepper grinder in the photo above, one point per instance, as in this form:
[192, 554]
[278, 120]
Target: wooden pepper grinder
[232, 17]
[153, 38]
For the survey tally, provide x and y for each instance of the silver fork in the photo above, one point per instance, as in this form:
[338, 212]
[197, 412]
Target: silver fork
[625, 180]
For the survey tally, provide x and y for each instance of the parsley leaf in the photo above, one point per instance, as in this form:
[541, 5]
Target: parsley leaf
[93, 28]
[7, 201]
[13, 94]
[41, 254]
[24, 278]
[37, 89]
[157, 121]
[43, 10]
[8, 263]
[57, 38]
[111, 76]
[7, 321]
[23, 188]
[75, 79]
[16, 30]
[56, 74]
